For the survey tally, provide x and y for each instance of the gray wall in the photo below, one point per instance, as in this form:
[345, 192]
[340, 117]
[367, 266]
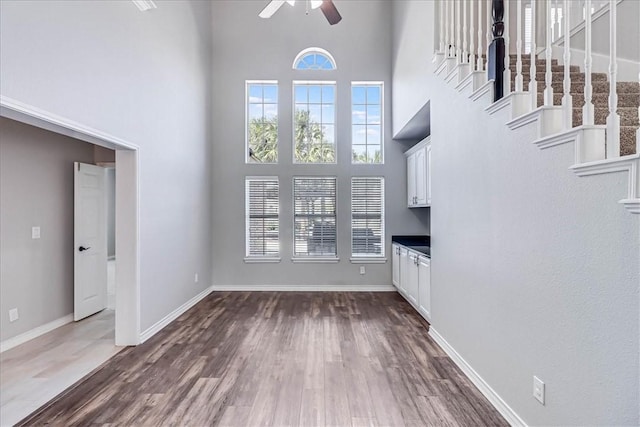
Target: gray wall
[36, 189]
[535, 271]
[247, 47]
[145, 78]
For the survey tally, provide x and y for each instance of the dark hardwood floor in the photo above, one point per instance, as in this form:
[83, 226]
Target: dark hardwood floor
[280, 359]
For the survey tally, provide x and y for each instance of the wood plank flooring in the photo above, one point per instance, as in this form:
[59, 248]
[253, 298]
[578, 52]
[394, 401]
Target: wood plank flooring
[280, 359]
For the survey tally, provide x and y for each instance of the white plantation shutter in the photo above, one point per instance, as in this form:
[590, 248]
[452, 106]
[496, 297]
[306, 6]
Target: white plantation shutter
[367, 217]
[315, 217]
[262, 217]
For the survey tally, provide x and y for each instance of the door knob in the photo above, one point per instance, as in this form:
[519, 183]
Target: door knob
[82, 248]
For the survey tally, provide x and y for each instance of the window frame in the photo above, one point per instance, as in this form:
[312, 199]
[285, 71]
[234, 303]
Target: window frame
[314, 258]
[253, 258]
[335, 118]
[317, 51]
[379, 84]
[246, 120]
[361, 257]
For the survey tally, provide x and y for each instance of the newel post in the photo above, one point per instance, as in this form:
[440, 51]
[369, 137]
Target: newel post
[497, 49]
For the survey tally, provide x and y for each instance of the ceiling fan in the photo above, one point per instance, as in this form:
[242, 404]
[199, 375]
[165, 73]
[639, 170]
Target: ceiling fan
[326, 6]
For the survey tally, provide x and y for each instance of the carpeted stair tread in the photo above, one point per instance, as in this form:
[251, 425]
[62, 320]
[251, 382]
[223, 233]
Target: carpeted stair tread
[628, 140]
[628, 116]
[598, 99]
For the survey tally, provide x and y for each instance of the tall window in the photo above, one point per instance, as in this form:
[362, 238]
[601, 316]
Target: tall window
[262, 217]
[366, 122]
[367, 217]
[262, 122]
[314, 117]
[314, 217]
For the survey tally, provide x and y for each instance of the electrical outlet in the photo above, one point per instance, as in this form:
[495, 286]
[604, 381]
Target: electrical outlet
[362, 269]
[35, 232]
[13, 315]
[538, 389]
[195, 278]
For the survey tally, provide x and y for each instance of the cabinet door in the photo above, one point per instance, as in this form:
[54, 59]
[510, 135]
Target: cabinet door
[424, 283]
[412, 282]
[395, 265]
[421, 176]
[404, 268]
[428, 172]
[411, 180]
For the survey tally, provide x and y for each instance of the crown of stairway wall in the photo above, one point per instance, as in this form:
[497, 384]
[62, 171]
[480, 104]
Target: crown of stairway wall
[549, 78]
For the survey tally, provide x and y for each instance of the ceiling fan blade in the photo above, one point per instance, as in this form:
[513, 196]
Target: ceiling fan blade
[330, 12]
[271, 8]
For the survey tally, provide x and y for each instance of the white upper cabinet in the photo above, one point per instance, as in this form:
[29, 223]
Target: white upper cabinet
[418, 174]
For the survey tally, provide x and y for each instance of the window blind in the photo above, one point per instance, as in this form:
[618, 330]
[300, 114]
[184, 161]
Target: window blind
[262, 217]
[314, 216]
[367, 217]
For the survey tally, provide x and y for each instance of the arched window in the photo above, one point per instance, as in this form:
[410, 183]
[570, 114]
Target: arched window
[314, 58]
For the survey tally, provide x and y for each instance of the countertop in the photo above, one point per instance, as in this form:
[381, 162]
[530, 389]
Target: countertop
[417, 243]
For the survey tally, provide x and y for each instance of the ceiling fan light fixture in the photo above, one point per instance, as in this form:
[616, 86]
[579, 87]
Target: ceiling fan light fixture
[291, 2]
[316, 4]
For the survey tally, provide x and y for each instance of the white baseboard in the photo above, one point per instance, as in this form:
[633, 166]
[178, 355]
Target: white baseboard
[154, 329]
[493, 397]
[34, 333]
[302, 288]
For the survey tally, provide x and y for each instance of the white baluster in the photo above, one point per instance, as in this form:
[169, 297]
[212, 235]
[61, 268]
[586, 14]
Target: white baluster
[548, 77]
[489, 35]
[556, 21]
[507, 50]
[567, 99]
[465, 52]
[519, 78]
[458, 33]
[613, 119]
[472, 46]
[452, 39]
[588, 110]
[479, 35]
[533, 84]
[441, 24]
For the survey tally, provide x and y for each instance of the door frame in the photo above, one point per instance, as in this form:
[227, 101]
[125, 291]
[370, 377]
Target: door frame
[127, 313]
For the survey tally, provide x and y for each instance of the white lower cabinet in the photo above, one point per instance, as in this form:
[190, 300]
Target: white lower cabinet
[412, 280]
[424, 286]
[411, 275]
[395, 265]
[404, 269]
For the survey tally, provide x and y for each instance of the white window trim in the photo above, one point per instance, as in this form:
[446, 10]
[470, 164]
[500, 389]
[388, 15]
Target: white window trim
[293, 119]
[259, 258]
[368, 260]
[369, 83]
[319, 50]
[246, 120]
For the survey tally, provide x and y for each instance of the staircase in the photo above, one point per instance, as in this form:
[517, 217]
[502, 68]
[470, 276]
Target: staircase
[628, 97]
[605, 132]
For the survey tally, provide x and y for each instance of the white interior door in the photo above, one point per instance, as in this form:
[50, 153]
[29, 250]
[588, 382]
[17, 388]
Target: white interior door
[90, 240]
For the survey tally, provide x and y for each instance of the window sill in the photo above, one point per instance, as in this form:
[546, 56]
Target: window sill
[368, 260]
[262, 260]
[315, 260]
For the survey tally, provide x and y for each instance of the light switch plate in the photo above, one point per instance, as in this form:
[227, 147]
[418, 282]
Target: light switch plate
[13, 315]
[362, 269]
[35, 232]
[538, 389]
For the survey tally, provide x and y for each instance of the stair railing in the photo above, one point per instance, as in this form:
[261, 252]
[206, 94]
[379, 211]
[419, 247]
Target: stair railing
[519, 86]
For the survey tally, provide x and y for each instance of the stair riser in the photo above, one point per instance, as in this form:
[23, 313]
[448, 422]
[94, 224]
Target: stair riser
[599, 99]
[559, 78]
[627, 117]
